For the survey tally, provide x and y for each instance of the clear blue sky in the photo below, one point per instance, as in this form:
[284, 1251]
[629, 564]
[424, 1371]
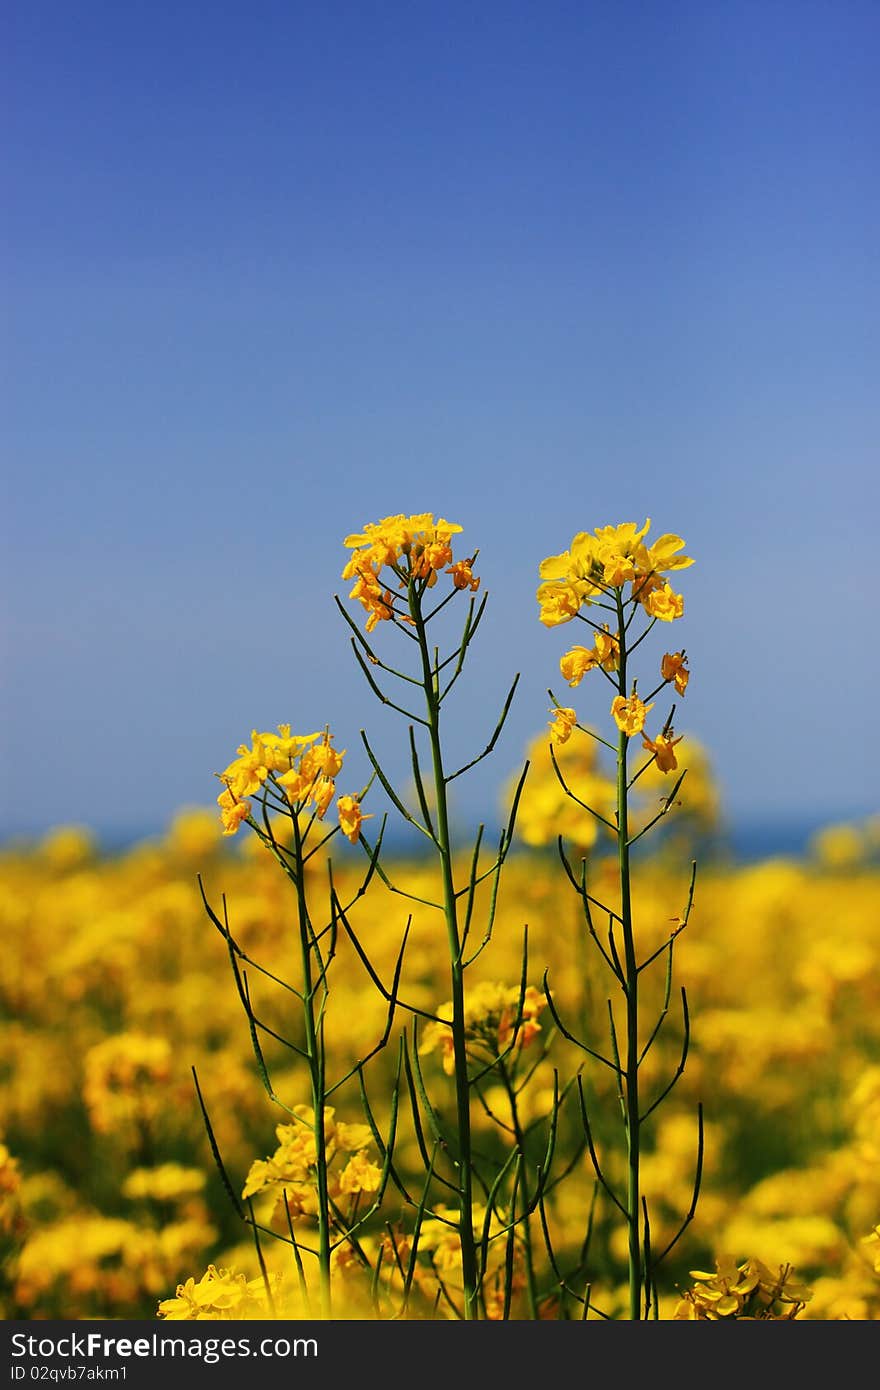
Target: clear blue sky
[274, 270]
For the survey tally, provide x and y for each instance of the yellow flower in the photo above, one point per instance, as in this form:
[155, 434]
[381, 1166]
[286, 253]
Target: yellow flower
[412, 547]
[280, 750]
[524, 1024]
[620, 540]
[607, 649]
[608, 559]
[618, 550]
[578, 562]
[546, 810]
[672, 668]
[247, 773]
[295, 785]
[323, 793]
[569, 581]
[298, 763]
[220, 1294]
[629, 713]
[496, 1017]
[359, 1175]
[377, 600]
[352, 1137]
[606, 653]
[462, 576]
[232, 811]
[351, 817]
[661, 602]
[575, 664]
[663, 749]
[747, 1291]
[618, 570]
[168, 1182]
[562, 724]
[663, 555]
[561, 602]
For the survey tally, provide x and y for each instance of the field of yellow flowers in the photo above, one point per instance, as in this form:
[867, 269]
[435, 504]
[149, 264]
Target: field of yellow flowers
[267, 1067]
[115, 986]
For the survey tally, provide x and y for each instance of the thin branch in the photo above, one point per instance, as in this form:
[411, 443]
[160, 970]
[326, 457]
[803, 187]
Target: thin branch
[391, 792]
[660, 814]
[596, 1166]
[568, 792]
[680, 1068]
[698, 1176]
[380, 695]
[224, 1176]
[597, 1056]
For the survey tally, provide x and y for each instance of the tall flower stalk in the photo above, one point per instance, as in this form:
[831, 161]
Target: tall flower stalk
[396, 565]
[281, 786]
[613, 569]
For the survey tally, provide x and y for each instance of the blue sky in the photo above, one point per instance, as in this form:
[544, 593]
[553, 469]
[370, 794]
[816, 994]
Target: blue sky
[273, 271]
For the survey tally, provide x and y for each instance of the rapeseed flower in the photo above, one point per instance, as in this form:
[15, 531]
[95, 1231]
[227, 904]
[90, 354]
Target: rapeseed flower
[562, 724]
[291, 1173]
[495, 1018]
[127, 1077]
[661, 602]
[304, 766]
[351, 817]
[749, 1290]
[673, 668]
[463, 576]
[605, 652]
[220, 1294]
[575, 664]
[663, 748]
[232, 811]
[409, 548]
[610, 558]
[629, 713]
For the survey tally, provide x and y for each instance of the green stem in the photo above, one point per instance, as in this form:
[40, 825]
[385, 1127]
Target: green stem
[531, 1292]
[631, 989]
[470, 1276]
[316, 1074]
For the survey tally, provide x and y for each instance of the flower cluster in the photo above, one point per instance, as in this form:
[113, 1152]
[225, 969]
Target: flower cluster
[748, 1291]
[126, 1080]
[613, 556]
[412, 548]
[84, 1261]
[629, 712]
[219, 1295]
[291, 1172]
[497, 1017]
[166, 1182]
[303, 766]
[601, 564]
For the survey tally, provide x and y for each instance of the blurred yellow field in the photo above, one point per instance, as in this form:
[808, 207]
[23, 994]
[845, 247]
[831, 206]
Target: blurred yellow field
[116, 985]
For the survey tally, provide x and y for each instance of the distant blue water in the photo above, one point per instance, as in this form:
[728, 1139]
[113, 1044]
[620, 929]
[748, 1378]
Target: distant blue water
[748, 843]
[744, 841]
